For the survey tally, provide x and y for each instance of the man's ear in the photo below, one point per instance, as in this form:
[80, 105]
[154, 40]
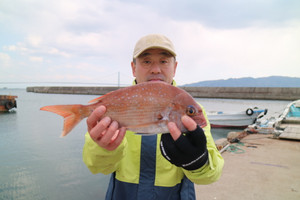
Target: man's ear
[133, 68]
[175, 67]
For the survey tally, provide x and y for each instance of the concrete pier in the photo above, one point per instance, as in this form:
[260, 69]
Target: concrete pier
[72, 90]
[263, 93]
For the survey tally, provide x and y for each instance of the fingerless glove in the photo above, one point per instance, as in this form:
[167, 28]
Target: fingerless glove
[189, 151]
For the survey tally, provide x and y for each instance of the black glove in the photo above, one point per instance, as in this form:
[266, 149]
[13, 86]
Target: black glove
[188, 151]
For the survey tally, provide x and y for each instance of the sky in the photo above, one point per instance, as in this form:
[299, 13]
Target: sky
[92, 41]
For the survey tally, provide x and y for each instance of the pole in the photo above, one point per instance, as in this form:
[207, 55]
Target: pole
[118, 79]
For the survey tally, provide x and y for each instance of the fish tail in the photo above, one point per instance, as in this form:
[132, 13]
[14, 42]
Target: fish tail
[72, 114]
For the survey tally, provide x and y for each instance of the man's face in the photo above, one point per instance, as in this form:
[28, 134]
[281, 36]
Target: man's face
[154, 65]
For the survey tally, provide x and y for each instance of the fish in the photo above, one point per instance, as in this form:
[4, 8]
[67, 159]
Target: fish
[144, 108]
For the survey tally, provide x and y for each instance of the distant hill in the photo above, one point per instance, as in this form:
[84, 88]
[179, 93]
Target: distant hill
[271, 81]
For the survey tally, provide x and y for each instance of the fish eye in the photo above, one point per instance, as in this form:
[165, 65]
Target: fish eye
[191, 110]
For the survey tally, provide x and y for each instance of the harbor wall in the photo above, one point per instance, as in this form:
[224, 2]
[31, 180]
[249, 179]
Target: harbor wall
[263, 93]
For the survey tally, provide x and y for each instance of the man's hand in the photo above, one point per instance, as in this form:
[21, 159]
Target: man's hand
[185, 150]
[105, 132]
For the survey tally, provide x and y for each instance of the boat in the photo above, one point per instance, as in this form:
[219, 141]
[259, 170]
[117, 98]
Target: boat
[235, 119]
[289, 122]
[7, 102]
[285, 126]
[291, 114]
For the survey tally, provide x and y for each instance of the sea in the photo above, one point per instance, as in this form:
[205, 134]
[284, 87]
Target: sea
[35, 163]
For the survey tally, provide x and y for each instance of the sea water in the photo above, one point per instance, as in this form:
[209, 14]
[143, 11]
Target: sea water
[35, 163]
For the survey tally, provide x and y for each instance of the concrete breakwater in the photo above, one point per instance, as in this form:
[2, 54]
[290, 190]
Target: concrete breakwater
[263, 93]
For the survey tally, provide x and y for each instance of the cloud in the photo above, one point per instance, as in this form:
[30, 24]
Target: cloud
[19, 47]
[4, 60]
[217, 53]
[95, 38]
[36, 59]
[34, 40]
[227, 14]
[54, 51]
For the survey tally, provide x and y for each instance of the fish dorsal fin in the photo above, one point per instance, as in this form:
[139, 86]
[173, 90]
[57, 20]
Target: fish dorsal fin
[100, 98]
[96, 100]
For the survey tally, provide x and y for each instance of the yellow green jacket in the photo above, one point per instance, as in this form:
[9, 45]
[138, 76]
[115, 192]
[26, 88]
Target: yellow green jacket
[139, 171]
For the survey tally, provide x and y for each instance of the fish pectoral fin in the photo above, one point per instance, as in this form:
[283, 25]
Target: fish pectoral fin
[146, 126]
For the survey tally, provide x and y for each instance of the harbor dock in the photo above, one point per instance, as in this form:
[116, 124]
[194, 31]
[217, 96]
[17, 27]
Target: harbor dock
[291, 132]
[263, 93]
[291, 129]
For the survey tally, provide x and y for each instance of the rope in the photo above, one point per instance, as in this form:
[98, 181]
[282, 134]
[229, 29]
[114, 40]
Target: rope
[234, 148]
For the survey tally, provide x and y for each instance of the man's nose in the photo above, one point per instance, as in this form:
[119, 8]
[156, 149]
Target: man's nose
[155, 68]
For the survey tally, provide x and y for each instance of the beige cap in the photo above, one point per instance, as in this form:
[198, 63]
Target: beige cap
[153, 41]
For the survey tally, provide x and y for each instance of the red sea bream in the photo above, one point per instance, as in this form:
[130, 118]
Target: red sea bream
[145, 108]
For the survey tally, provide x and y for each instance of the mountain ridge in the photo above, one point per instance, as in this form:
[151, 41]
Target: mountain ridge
[270, 81]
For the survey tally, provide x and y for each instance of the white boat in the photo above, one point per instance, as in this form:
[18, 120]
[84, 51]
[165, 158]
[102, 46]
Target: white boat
[235, 120]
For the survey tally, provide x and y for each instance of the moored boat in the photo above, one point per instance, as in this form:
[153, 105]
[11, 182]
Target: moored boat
[7, 102]
[291, 114]
[235, 120]
[285, 126]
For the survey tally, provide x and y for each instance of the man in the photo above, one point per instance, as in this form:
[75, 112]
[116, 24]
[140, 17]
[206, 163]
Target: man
[162, 166]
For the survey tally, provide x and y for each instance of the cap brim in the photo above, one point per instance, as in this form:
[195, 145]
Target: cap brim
[154, 47]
